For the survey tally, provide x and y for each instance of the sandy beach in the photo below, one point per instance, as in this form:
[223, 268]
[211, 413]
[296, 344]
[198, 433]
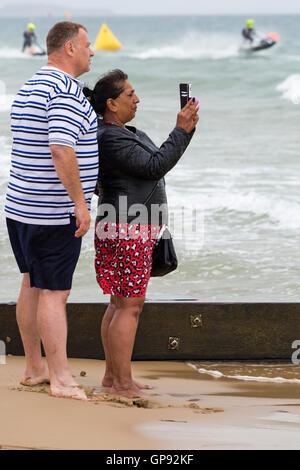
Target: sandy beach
[186, 410]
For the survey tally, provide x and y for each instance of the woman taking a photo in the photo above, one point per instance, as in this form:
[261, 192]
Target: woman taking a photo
[131, 167]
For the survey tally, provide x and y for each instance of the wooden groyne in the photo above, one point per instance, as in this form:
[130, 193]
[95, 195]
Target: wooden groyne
[180, 330]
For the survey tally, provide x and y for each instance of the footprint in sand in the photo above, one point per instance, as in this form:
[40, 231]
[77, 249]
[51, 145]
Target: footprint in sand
[198, 408]
[119, 401]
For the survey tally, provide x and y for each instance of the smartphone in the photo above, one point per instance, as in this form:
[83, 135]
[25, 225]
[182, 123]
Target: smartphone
[185, 92]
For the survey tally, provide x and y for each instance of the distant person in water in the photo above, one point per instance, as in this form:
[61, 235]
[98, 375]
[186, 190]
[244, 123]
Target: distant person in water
[29, 36]
[248, 32]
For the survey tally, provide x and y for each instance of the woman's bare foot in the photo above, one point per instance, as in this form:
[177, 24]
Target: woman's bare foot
[127, 391]
[143, 386]
[108, 382]
[68, 391]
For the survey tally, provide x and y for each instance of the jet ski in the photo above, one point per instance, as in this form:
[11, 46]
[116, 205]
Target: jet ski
[34, 49]
[260, 44]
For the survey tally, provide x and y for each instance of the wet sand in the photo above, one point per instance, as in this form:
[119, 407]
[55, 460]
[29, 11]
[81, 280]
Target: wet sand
[186, 410]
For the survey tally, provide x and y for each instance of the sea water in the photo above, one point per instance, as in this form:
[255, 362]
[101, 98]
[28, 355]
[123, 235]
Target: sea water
[266, 371]
[236, 189]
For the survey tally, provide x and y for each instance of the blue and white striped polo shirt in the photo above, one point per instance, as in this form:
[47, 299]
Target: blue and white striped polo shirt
[49, 109]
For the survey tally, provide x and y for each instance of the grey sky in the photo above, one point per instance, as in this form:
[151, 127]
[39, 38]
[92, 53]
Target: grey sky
[152, 7]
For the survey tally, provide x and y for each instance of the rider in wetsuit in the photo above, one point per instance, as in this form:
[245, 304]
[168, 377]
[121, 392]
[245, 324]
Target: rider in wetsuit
[29, 36]
[248, 32]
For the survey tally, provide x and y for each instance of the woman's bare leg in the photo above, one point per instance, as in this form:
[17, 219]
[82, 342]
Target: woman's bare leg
[107, 380]
[120, 339]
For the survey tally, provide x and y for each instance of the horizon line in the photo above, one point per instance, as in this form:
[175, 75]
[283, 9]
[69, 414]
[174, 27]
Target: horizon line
[87, 15]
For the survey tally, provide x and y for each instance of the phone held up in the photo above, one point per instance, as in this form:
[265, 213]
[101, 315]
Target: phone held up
[185, 91]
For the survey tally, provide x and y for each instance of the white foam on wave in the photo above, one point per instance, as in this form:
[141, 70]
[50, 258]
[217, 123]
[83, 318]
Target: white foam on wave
[282, 212]
[285, 213]
[5, 100]
[290, 88]
[217, 374]
[193, 46]
[12, 53]
[283, 416]
[5, 148]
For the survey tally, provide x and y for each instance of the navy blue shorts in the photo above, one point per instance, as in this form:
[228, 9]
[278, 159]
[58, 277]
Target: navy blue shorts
[49, 253]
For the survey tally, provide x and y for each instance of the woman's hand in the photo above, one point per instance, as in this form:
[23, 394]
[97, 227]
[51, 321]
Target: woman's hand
[188, 117]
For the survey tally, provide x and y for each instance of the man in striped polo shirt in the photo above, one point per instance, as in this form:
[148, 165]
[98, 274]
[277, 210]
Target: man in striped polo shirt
[54, 168]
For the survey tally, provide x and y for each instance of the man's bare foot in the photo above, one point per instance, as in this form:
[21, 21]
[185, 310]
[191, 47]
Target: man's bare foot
[35, 378]
[69, 391]
[30, 381]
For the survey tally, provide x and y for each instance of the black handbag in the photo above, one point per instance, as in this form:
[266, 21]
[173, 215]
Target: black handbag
[164, 259]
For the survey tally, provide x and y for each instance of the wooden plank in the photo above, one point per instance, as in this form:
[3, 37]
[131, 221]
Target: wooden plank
[223, 331]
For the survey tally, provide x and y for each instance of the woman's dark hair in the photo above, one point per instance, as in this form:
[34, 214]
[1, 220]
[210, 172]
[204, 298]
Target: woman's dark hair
[111, 85]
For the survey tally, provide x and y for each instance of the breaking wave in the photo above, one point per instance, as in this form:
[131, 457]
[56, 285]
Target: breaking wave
[290, 88]
[193, 46]
[249, 378]
[5, 100]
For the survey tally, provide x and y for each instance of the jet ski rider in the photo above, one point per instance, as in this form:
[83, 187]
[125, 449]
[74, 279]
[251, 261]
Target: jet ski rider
[29, 36]
[248, 32]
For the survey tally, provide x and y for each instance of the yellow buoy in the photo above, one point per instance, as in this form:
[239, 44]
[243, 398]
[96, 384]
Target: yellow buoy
[106, 40]
[67, 15]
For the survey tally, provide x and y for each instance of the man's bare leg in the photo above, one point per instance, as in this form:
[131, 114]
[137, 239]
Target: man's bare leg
[107, 380]
[52, 323]
[36, 371]
[121, 336]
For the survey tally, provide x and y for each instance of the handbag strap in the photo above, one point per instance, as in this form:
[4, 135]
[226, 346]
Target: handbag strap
[141, 144]
[151, 194]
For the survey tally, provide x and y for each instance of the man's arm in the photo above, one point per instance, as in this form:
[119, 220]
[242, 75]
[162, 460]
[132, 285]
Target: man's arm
[65, 162]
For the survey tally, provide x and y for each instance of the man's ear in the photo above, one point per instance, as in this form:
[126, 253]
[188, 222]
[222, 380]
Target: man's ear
[69, 48]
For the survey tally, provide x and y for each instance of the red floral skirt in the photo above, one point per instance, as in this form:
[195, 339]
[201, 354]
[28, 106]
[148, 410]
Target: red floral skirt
[123, 257]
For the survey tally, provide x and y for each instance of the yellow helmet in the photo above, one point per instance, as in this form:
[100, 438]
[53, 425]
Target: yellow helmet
[31, 27]
[249, 23]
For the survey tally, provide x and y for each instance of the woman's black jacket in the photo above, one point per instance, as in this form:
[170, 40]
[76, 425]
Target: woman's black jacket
[130, 165]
